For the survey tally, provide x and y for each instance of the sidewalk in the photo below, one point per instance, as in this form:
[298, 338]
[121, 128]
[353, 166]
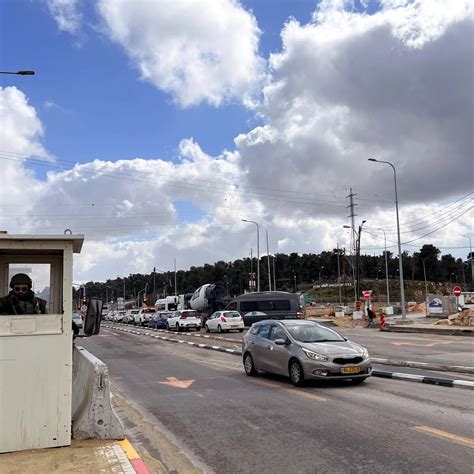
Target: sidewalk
[88, 456]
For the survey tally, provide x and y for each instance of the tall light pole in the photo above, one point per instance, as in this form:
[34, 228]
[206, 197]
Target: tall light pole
[470, 255]
[402, 288]
[268, 262]
[426, 287]
[258, 252]
[339, 275]
[386, 266]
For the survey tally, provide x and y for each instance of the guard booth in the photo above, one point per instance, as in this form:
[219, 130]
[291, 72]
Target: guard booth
[36, 349]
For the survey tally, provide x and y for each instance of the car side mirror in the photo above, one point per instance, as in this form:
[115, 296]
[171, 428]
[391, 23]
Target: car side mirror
[281, 342]
[93, 317]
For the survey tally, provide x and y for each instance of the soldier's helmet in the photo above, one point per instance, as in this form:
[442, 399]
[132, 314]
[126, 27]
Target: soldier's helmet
[21, 279]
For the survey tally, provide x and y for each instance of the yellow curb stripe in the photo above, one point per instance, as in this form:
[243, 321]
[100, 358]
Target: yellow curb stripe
[129, 449]
[445, 435]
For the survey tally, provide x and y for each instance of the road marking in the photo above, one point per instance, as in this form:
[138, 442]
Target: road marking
[174, 382]
[293, 391]
[469, 442]
[430, 344]
[129, 449]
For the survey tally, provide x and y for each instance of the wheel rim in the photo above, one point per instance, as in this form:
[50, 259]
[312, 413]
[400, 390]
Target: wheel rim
[248, 364]
[177, 327]
[219, 329]
[295, 372]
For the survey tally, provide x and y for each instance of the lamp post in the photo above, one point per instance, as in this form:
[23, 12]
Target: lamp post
[426, 287]
[386, 266]
[258, 252]
[320, 287]
[402, 288]
[268, 263]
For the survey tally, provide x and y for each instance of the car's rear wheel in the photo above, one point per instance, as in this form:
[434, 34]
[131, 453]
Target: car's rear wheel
[167, 327]
[358, 381]
[249, 366]
[296, 373]
[206, 327]
[178, 329]
[219, 328]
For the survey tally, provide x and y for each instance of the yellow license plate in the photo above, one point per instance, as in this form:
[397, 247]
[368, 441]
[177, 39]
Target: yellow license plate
[350, 370]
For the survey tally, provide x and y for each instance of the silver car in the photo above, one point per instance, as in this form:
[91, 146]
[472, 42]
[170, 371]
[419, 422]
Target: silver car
[303, 350]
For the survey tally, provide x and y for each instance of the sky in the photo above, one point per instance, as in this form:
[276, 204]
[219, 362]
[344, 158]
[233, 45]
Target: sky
[154, 127]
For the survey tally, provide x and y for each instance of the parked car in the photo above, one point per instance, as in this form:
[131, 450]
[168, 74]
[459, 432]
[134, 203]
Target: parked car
[144, 315]
[129, 316]
[159, 320]
[224, 321]
[77, 318]
[303, 350]
[183, 320]
[118, 316]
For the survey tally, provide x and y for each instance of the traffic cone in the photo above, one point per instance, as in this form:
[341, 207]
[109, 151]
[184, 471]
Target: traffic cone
[382, 321]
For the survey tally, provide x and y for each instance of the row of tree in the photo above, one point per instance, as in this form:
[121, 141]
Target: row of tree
[291, 272]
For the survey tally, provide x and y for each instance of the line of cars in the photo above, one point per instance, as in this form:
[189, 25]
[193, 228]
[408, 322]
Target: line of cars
[181, 320]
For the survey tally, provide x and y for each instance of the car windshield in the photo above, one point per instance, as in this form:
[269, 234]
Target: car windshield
[313, 333]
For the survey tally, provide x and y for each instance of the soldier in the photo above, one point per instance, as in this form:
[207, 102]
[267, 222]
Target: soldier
[22, 300]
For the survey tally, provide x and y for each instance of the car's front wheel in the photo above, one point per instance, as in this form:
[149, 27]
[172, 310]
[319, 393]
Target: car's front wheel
[178, 329]
[249, 366]
[296, 373]
[167, 327]
[206, 327]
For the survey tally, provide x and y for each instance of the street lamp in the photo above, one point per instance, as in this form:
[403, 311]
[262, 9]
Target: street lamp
[402, 289]
[19, 73]
[386, 266]
[320, 286]
[258, 252]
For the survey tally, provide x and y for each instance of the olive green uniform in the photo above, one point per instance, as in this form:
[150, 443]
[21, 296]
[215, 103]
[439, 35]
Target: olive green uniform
[29, 304]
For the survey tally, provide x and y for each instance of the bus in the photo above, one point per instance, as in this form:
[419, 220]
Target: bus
[255, 307]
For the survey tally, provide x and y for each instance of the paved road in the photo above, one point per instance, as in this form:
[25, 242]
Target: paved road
[226, 422]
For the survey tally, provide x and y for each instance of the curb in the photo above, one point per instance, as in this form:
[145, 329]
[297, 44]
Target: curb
[422, 379]
[135, 460]
[375, 373]
[424, 365]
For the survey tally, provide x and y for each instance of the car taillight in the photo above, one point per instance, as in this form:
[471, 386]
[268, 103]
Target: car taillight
[182, 317]
[223, 319]
[299, 314]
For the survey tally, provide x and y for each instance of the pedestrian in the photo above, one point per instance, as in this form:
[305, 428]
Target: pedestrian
[21, 299]
[371, 314]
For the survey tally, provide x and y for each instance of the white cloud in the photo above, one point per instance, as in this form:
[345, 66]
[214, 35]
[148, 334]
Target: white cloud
[196, 51]
[66, 14]
[396, 85]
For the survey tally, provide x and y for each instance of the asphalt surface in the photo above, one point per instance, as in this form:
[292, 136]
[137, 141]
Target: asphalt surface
[230, 423]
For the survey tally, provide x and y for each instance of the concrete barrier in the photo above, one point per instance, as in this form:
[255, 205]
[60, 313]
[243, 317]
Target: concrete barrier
[92, 412]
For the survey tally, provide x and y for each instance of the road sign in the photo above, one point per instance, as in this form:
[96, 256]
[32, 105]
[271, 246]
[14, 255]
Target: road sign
[367, 294]
[457, 291]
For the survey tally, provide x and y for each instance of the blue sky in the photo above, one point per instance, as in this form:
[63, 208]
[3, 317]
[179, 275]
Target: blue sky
[356, 82]
[102, 109]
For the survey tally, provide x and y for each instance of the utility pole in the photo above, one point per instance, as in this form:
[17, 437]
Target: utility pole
[339, 275]
[268, 262]
[274, 275]
[353, 241]
[386, 266]
[251, 271]
[426, 288]
[358, 259]
[175, 287]
[154, 287]
[472, 264]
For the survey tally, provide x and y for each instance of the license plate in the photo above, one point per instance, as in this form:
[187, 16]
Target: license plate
[350, 370]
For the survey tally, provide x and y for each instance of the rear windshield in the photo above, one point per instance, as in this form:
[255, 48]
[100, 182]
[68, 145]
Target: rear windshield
[231, 315]
[313, 333]
[189, 314]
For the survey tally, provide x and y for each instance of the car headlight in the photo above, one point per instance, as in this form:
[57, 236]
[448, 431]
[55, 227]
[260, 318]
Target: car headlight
[315, 356]
[365, 353]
